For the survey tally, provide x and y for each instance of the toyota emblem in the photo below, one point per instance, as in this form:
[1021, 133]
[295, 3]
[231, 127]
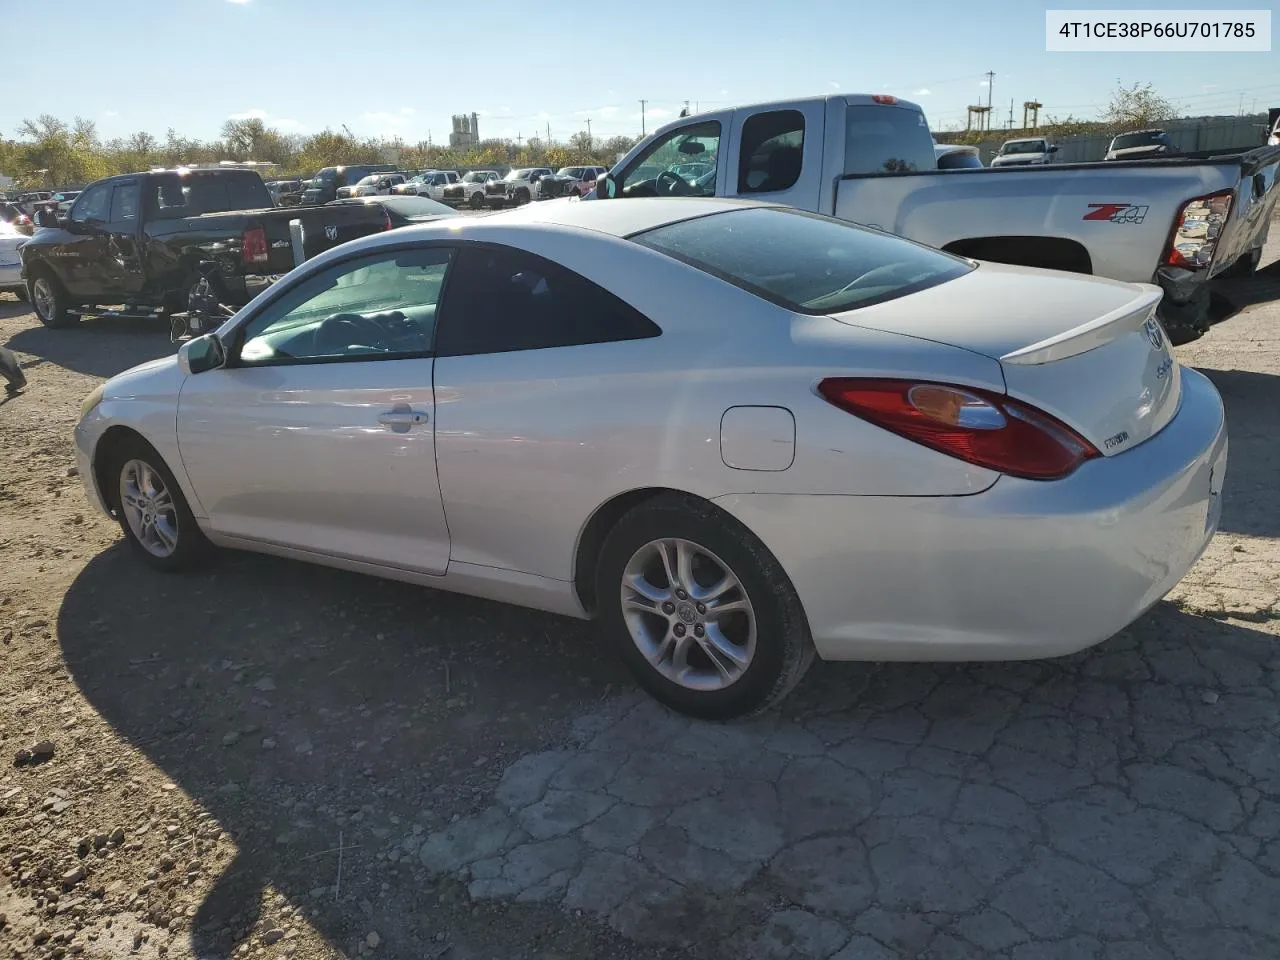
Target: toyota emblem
[1154, 333]
[331, 231]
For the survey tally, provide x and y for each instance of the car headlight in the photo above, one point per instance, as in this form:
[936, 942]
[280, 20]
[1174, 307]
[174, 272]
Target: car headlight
[92, 400]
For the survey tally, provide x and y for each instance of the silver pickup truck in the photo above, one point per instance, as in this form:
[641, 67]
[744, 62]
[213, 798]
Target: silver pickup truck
[1176, 222]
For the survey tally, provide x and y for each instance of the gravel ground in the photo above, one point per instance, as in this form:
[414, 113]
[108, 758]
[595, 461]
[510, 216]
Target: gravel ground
[277, 760]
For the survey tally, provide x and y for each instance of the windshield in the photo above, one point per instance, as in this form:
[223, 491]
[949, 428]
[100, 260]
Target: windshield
[325, 176]
[1144, 139]
[517, 175]
[884, 139]
[803, 261]
[573, 172]
[1023, 146]
[367, 181]
[476, 176]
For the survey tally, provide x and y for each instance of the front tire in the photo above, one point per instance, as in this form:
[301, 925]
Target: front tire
[50, 300]
[476, 201]
[152, 511]
[700, 610]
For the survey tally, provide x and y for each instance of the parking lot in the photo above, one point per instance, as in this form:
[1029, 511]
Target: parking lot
[280, 760]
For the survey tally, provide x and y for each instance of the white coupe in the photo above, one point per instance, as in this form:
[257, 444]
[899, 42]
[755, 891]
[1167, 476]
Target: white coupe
[737, 435]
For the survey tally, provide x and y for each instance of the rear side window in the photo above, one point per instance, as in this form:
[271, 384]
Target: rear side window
[884, 139]
[772, 150]
[802, 261]
[192, 194]
[500, 300]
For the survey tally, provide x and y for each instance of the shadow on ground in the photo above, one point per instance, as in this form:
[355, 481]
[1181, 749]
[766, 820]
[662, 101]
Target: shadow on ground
[1252, 495]
[300, 705]
[98, 347]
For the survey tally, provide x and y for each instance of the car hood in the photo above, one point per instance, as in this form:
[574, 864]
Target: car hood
[1134, 153]
[1015, 158]
[159, 376]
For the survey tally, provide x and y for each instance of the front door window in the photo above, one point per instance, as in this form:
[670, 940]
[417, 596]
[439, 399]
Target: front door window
[681, 163]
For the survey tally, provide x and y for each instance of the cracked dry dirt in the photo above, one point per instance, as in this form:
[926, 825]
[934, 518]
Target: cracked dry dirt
[274, 760]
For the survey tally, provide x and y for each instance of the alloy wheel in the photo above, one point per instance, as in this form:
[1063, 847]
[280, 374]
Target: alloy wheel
[43, 297]
[688, 614]
[149, 508]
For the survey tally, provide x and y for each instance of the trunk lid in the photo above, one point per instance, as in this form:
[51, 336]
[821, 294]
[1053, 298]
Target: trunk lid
[1086, 350]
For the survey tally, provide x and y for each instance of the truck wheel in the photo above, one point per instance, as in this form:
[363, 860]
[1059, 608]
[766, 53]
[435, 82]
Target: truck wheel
[477, 201]
[1246, 266]
[50, 300]
[522, 197]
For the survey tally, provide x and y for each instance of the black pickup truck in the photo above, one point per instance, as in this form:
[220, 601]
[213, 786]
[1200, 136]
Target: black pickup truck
[130, 245]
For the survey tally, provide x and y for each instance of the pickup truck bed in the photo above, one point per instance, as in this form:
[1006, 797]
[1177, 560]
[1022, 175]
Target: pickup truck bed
[137, 239]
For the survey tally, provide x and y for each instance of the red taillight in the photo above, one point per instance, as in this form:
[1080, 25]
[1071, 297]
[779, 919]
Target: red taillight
[979, 427]
[386, 219]
[1196, 230]
[883, 98]
[253, 246]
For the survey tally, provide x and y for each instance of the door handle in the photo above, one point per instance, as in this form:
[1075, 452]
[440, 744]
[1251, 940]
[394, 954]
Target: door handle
[402, 418]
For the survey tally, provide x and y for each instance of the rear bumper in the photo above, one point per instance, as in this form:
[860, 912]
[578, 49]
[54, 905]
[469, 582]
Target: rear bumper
[1023, 570]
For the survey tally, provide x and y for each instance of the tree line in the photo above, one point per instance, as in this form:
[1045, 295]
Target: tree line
[49, 152]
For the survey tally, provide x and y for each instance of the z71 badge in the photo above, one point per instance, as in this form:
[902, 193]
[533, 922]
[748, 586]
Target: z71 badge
[1117, 212]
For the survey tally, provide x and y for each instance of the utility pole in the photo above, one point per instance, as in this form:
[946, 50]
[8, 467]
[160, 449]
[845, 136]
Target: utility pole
[589, 140]
[991, 78]
[642, 103]
[548, 133]
[1010, 126]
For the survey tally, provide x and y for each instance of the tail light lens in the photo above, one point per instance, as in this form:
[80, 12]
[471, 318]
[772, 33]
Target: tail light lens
[253, 246]
[883, 98]
[386, 219]
[986, 429]
[1196, 231]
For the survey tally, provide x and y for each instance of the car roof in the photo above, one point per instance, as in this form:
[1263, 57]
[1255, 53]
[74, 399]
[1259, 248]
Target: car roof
[619, 217]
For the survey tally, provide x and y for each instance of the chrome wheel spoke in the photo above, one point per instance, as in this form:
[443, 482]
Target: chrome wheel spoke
[665, 549]
[149, 509]
[167, 537]
[724, 585]
[162, 500]
[718, 610]
[684, 565]
[644, 594]
[680, 657]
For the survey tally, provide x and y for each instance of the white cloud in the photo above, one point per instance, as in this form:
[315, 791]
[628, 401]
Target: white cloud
[834, 85]
[984, 83]
[385, 118]
[1206, 87]
[598, 112]
[110, 113]
[544, 116]
[239, 2]
[922, 92]
[657, 112]
[724, 93]
[257, 113]
[284, 123]
[408, 111]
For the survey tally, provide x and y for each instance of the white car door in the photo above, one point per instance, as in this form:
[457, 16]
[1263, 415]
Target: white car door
[318, 433]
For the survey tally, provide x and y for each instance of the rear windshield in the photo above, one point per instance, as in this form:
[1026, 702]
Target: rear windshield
[1127, 140]
[192, 194]
[803, 261]
[884, 139]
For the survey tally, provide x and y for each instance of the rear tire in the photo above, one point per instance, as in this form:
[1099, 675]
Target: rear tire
[476, 202]
[50, 300]
[152, 510]
[742, 661]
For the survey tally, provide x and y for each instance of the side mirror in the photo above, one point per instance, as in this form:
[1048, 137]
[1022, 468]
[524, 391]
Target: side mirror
[201, 354]
[606, 187]
[46, 218]
[1053, 148]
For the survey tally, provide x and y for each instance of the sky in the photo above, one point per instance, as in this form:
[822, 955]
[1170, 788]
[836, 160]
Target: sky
[402, 69]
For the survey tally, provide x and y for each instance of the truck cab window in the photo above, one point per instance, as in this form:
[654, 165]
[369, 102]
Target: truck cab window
[772, 151]
[124, 202]
[93, 204]
[886, 139]
[681, 163]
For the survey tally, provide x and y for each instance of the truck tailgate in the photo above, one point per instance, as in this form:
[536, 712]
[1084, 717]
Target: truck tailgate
[323, 227]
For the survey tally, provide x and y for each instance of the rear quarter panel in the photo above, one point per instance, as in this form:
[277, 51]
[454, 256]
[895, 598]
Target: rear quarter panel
[1124, 241]
[571, 428]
